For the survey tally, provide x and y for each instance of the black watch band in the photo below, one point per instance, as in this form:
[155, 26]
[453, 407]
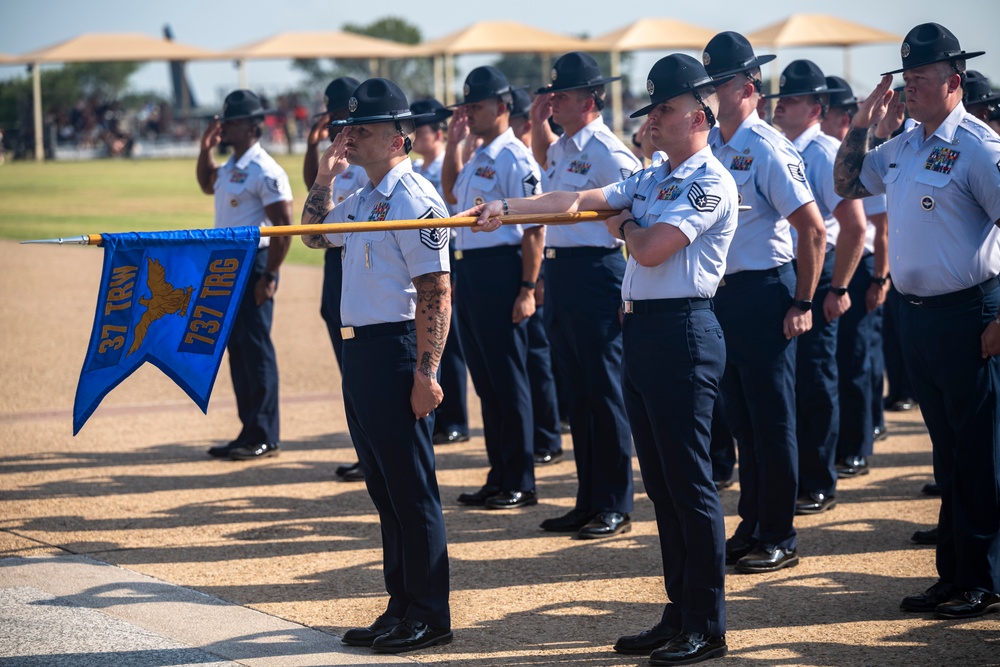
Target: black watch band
[803, 304]
[839, 291]
[527, 284]
[621, 227]
[880, 280]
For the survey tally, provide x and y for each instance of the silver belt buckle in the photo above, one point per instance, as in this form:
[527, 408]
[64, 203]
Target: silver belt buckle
[550, 253]
[346, 333]
[627, 306]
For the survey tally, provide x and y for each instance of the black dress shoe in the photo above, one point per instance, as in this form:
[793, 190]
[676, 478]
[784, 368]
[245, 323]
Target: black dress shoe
[570, 522]
[737, 548]
[814, 502]
[929, 599]
[411, 635]
[222, 451]
[767, 558]
[931, 489]
[548, 458]
[903, 405]
[449, 437]
[508, 500]
[646, 641]
[852, 466]
[351, 473]
[688, 648]
[258, 451]
[880, 433]
[606, 524]
[968, 604]
[478, 498]
[365, 636]
[925, 536]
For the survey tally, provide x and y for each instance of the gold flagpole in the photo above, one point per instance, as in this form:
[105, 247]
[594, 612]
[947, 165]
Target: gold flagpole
[391, 225]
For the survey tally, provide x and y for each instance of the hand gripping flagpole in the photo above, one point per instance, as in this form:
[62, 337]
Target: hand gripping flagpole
[392, 225]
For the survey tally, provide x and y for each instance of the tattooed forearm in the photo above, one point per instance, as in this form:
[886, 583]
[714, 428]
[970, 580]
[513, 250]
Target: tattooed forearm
[433, 319]
[319, 202]
[847, 168]
[317, 241]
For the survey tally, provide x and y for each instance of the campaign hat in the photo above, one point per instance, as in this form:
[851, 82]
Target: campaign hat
[430, 111]
[338, 93]
[242, 104]
[977, 89]
[675, 75]
[802, 77]
[377, 101]
[930, 43]
[483, 83]
[522, 102]
[730, 53]
[575, 70]
[844, 97]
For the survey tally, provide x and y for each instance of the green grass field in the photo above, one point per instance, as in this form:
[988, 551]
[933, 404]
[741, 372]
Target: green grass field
[55, 199]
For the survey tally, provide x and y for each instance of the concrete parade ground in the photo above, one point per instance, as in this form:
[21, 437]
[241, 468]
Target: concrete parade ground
[128, 545]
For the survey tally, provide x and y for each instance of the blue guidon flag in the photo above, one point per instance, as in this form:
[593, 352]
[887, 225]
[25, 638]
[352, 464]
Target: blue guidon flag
[169, 298]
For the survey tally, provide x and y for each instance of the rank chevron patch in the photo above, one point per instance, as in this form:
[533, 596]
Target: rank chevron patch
[701, 200]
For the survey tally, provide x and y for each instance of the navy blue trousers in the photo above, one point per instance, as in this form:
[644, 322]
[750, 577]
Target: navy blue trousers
[397, 457]
[723, 447]
[959, 396]
[878, 369]
[452, 414]
[584, 292]
[897, 377]
[672, 365]
[546, 435]
[253, 364]
[759, 393]
[329, 305]
[817, 409]
[496, 352]
[856, 342]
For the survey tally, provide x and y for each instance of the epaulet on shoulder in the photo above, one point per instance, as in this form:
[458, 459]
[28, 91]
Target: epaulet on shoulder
[977, 128]
[769, 134]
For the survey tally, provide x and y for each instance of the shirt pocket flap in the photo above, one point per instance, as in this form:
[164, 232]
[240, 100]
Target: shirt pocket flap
[890, 175]
[935, 179]
[741, 177]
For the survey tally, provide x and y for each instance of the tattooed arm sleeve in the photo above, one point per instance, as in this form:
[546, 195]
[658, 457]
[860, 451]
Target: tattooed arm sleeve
[847, 168]
[319, 202]
[433, 319]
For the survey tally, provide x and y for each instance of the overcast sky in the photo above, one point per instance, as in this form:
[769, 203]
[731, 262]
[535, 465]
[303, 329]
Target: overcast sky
[30, 24]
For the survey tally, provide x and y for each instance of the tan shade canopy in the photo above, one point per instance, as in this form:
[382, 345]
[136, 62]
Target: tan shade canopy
[320, 44]
[118, 47]
[501, 37]
[4, 58]
[654, 35]
[818, 30]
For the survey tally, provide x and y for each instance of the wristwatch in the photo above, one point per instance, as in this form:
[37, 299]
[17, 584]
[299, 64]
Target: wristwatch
[528, 284]
[880, 280]
[804, 305]
[839, 291]
[621, 227]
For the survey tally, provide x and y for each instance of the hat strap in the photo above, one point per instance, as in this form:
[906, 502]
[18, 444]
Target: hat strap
[709, 116]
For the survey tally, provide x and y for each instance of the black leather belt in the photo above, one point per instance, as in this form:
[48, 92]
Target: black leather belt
[479, 253]
[952, 298]
[582, 251]
[375, 330]
[750, 276]
[666, 305]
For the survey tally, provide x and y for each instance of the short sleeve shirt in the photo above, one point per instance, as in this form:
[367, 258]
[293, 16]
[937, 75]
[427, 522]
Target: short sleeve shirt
[502, 168]
[699, 198]
[943, 198]
[819, 151]
[379, 267]
[244, 187]
[772, 181]
[591, 158]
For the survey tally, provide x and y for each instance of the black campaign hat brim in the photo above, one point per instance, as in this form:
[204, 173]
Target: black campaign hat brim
[382, 118]
[938, 59]
[656, 101]
[576, 86]
[754, 64]
[805, 92]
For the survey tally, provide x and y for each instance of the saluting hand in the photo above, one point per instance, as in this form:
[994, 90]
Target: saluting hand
[334, 160]
[212, 136]
[458, 126]
[319, 131]
[875, 106]
[541, 108]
